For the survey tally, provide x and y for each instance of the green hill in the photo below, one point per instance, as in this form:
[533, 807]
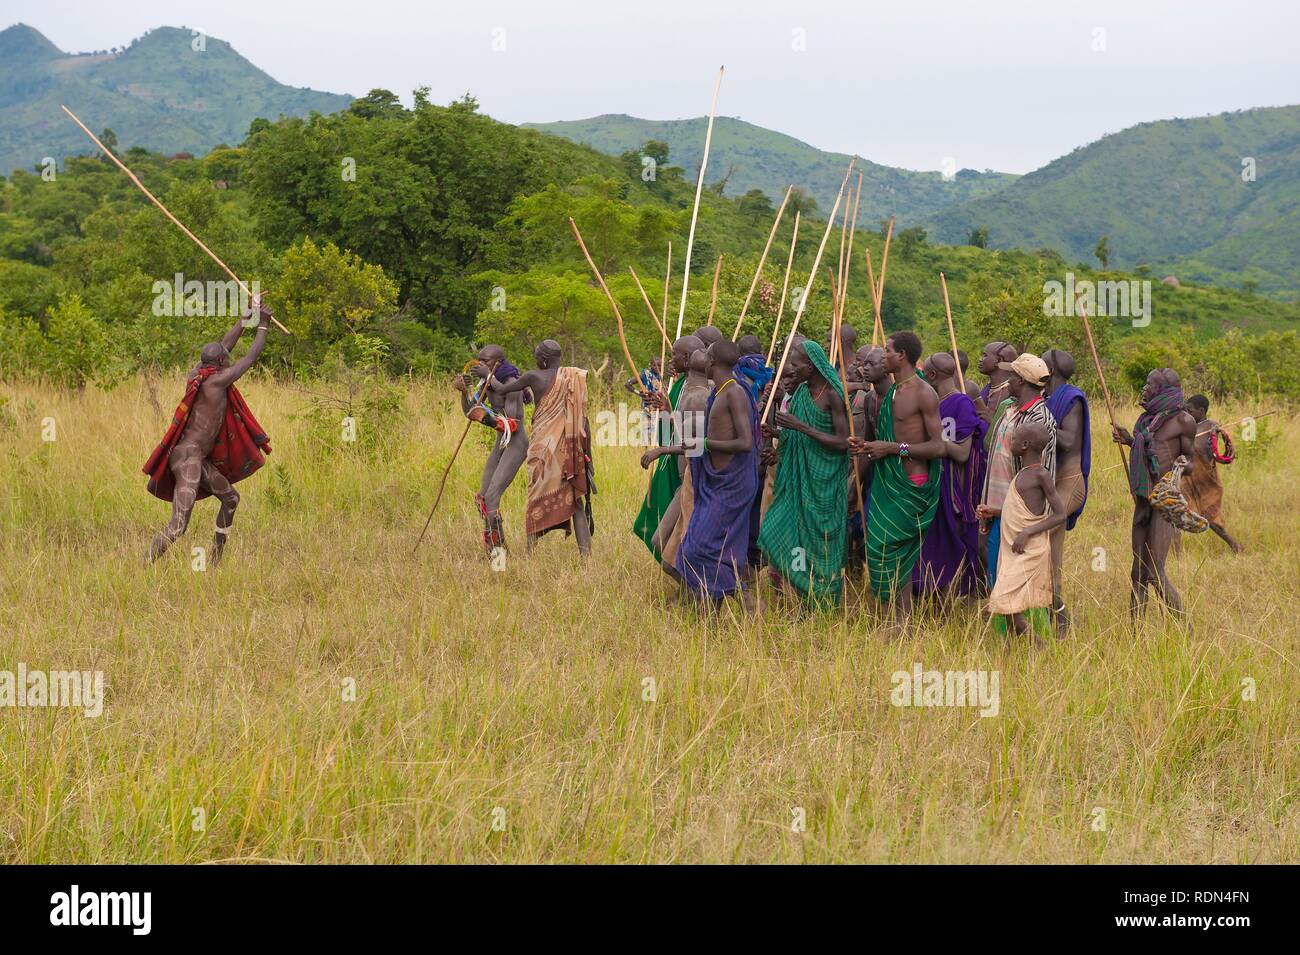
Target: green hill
[1168, 194]
[158, 92]
[751, 157]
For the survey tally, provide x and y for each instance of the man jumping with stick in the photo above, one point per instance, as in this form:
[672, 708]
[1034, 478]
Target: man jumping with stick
[213, 440]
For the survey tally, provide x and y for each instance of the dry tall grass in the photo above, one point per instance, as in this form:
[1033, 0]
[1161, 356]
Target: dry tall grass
[517, 698]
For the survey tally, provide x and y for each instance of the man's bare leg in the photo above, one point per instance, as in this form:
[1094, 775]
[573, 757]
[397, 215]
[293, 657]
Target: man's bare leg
[504, 465]
[901, 607]
[582, 531]
[214, 481]
[668, 523]
[187, 471]
[1138, 574]
[1159, 537]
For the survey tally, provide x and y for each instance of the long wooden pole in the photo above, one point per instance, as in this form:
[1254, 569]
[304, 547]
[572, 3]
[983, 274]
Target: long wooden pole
[695, 212]
[622, 336]
[442, 484]
[853, 464]
[487, 382]
[835, 314]
[803, 299]
[167, 212]
[848, 259]
[884, 267]
[785, 285]
[668, 279]
[875, 302]
[836, 304]
[665, 344]
[1101, 377]
[651, 309]
[952, 334]
[713, 299]
[762, 260]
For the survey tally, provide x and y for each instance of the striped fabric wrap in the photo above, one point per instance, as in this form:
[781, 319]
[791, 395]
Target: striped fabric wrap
[900, 513]
[803, 533]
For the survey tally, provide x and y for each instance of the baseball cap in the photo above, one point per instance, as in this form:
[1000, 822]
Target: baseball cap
[1029, 367]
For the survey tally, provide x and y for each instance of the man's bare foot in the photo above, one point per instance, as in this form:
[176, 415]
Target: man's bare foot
[1062, 618]
[157, 548]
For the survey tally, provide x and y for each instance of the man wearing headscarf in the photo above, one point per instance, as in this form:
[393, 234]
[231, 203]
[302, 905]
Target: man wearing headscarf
[1164, 433]
[505, 414]
[803, 531]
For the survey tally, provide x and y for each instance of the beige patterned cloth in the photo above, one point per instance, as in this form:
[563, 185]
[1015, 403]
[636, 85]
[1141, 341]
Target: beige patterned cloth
[1024, 580]
[686, 498]
[557, 454]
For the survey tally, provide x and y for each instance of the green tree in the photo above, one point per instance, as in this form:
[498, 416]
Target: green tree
[331, 301]
[979, 237]
[1102, 252]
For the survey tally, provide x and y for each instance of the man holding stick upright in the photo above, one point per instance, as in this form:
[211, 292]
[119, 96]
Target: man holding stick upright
[712, 559]
[803, 531]
[950, 561]
[666, 479]
[1164, 434]
[905, 480]
[213, 440]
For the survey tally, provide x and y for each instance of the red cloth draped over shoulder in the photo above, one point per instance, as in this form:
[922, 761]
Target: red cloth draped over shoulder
[240, 449]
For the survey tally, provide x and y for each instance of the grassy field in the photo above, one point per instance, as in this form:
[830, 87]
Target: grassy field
[502, 716]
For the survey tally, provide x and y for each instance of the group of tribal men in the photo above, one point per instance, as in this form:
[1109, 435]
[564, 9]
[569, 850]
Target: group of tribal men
[938, 489]
[955, 492]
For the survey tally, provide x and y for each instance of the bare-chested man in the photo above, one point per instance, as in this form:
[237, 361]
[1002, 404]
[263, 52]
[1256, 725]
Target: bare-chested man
[213, 441]
[712, 558]
[688, 419]
[509, 450]
[559, 454]
[905, 483]
[1069, 408]
[709, 334]
[1164, 433]
[666, 479]
[868, 391]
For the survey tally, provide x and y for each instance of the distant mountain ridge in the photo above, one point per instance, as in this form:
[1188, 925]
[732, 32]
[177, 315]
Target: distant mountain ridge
[1170, 194]
[158, 92]
[753, 157]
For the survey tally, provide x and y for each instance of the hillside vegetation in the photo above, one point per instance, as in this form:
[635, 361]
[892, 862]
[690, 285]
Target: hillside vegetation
[393, 238]
[1168, 194]
[744, 157]
[159, 91]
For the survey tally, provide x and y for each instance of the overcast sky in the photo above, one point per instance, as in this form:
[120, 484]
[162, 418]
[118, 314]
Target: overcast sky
[1001, 84]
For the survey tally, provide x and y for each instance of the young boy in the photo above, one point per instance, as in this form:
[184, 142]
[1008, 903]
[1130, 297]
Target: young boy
[1022, 591]
[1204, 486]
